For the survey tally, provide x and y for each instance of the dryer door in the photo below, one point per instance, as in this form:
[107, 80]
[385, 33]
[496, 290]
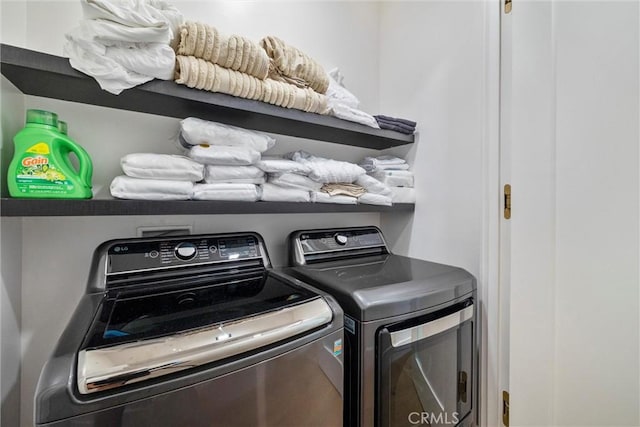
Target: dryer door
[425, 369]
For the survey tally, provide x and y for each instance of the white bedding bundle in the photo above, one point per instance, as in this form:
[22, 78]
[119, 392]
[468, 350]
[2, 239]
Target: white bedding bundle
[373, 164]
[150, 176]
[226, 192]
[321, 197]
[224, 155]
[292, 180]
[372, 185]
[161, 166]
[216, 174]
[394, 178]
[124, 43]
[403, 195]
[277, 165]
[328, 170]
[126, 187]
[275, 193]
[196, 131]
[375, 199]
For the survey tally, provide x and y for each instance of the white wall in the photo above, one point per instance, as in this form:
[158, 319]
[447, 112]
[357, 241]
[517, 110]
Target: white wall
[597, 196]
[432, 71]
[575, 312]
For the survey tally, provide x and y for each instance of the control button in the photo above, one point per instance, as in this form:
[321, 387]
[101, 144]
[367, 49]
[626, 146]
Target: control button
[185, 251]
[213, 249]
[341, 239]
[154, 254]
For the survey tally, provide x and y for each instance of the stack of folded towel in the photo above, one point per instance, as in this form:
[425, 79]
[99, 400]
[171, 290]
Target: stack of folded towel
[271, 71]
[123, 43]
[150, 176]
[399, 125]
[229, 155]
[301, 177]
[219, 165]
[392, 172]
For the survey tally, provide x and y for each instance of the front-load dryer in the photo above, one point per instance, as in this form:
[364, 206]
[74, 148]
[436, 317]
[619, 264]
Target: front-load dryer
[194, 331]
[410, 334]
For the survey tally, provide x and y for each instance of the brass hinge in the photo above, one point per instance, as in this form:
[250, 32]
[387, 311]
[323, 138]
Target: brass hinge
[507, 201]
[507, 6]
[505, 408]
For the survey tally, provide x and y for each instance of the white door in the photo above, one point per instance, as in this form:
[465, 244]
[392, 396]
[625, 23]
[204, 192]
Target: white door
[570, 137]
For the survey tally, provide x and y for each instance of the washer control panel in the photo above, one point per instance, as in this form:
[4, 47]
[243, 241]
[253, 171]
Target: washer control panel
[339, 240]
[147, 255]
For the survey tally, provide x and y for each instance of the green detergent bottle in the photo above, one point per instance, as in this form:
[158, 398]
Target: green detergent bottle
[63, 129]
[40, 167]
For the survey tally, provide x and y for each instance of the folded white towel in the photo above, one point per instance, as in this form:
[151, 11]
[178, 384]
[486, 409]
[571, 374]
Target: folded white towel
[254, 181]
[321, 197]
[224, 155]
[392, 167]
[275, 193]
[236, 192]
[375, 199]
[372, 185]
[292, 180]
[351, 114]
[403, 195]
[126, 187]
[161, 166]
[195, 131]
[383, 162]
[394, 178]
[327, 170]
[280, 165]
[221, 173]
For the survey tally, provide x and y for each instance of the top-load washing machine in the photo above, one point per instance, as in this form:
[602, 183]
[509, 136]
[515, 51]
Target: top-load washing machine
[194, 331]
[410, 336]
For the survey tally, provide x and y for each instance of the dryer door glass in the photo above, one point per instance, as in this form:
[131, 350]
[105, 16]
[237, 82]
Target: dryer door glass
[425, 369]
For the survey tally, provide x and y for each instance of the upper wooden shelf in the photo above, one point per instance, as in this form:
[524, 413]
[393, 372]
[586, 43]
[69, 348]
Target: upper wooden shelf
[49, 76]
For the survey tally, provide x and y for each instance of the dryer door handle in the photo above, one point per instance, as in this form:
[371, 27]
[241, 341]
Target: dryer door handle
[429, 329]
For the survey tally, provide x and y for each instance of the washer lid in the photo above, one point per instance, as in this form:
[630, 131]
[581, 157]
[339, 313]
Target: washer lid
[381, 286]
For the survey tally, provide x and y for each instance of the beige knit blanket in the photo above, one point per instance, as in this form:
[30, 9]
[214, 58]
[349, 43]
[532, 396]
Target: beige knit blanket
[200, 74]
[291, 65]
[235, 52]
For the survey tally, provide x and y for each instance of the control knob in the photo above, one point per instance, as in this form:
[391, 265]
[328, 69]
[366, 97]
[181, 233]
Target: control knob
[185, 251]
[341, 239]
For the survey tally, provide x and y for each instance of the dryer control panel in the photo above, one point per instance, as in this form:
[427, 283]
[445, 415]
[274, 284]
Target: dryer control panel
[315, 244]
[134, 256]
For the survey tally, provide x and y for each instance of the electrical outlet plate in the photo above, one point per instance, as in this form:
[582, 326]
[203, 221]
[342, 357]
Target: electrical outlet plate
[164, 230]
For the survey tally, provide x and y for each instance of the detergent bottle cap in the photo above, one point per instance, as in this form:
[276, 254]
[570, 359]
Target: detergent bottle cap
[62, 127]
[42, 117]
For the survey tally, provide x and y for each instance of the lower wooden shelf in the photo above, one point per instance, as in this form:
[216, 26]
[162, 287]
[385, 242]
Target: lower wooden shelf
[10, 207]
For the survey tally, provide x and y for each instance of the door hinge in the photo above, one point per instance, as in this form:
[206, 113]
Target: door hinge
[507, 6]
[505, 408]
[507, 201]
